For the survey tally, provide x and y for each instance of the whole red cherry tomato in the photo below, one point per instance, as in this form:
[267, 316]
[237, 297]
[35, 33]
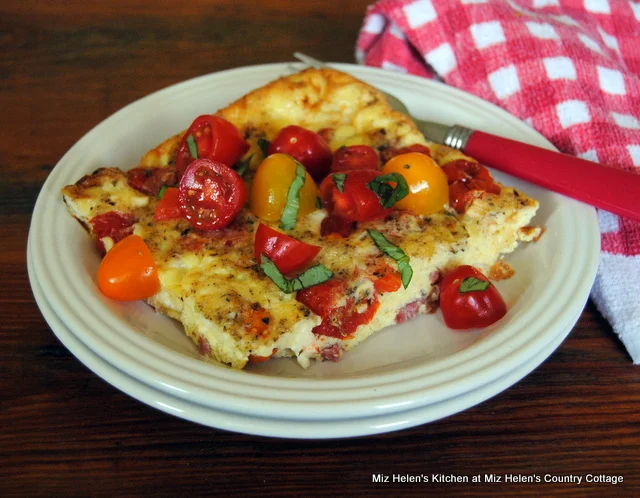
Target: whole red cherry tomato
[287, 253]
[211, 194]
[350, 198]
[468, 300]
[354, 157]
[210, 137]
[306, 147]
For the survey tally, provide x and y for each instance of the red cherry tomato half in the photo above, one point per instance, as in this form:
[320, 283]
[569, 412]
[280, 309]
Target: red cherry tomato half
[211, 194]
[354, 157]
[210, 137]
[467, 302]
[169, 206]
[287, 253]
[353, 201]
[306, 147]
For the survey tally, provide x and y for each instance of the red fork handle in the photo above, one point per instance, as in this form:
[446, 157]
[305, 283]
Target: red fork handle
[611, 189]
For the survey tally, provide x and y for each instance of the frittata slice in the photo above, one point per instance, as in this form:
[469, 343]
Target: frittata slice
[211, 282]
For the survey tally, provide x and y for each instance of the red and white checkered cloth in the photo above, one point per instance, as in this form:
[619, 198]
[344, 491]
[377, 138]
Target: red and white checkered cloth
[570, 68]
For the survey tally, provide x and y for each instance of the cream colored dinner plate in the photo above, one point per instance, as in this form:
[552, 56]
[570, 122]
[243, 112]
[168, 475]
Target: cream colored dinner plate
[401, 369]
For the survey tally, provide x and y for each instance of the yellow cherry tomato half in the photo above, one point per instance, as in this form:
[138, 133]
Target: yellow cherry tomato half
[271, 184]
[428, 186]
[128, 272]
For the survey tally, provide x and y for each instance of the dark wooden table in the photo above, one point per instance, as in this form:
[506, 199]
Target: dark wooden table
[64, 67]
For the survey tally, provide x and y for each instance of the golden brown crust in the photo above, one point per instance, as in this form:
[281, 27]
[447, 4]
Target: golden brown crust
[314, 99]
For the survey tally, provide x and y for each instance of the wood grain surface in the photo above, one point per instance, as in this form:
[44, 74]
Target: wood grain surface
[66, 66]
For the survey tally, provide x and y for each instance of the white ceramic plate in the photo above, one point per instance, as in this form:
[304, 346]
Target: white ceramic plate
[402, 368]
[280, 427]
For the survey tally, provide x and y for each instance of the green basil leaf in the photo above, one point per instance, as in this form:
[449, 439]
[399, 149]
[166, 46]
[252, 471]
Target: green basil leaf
[263, 143]
[243, 165]
[162, 191]
[318, 203]
[393, 251]
[193, 146]
[290, 212]
[471, 284]
[338, 180]
[389, 195]
[313, 276]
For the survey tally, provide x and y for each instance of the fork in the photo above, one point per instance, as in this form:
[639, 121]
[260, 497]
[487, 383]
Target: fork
[614, 190]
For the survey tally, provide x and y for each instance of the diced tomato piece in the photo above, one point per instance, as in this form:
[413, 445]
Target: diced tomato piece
[113, 224]
[169, 206]
[151, 180]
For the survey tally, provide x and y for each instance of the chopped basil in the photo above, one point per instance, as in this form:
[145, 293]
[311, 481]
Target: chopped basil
[389, 195]
[290, 211]
[263, 143]
[162, 191]
[338, 180]
[242, 166]
[471, 284]
[193, 146]
[393, 251]
[313, 276]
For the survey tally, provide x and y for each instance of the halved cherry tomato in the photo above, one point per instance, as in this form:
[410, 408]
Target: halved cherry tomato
[169, 206]
[466, 178]
[306, 147]
[352, 199]
[468, 300]
[211, 194]
[113, 224]
[428, 187]
[351, 157]
[287, 253]
[271, 184]
[128, 272]
[210, 137]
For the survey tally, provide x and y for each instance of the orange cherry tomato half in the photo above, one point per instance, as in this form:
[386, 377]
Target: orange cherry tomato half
[287, 253]
[271, 184]
[428, 187]
[211, 194]
[468, 300]
[169, 206]
[128, 272]
[305, 146]
[210, 137]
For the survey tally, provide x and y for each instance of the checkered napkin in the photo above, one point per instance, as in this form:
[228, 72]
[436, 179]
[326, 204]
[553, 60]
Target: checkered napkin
[569, 68]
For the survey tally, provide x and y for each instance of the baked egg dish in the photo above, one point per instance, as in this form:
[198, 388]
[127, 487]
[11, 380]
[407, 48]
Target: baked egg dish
[298, 221]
